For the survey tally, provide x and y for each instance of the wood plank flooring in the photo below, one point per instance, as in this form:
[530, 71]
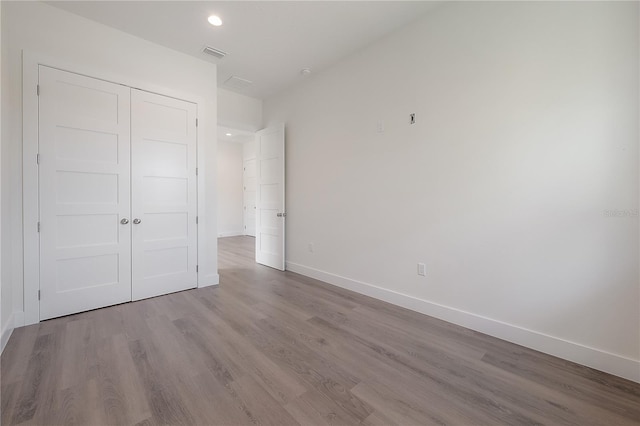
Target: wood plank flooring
[274, 348]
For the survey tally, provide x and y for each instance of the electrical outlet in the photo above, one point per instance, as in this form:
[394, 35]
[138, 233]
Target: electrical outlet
[380, 127]
[310, 247]
[422, 269]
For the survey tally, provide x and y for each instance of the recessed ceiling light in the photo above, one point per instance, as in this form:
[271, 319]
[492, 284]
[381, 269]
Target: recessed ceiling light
[305, 72]
[215, 20]
[228, 134]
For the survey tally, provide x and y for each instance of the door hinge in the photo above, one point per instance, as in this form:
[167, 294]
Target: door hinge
[196, 268]
[196, 220]
[196, 122]
[196, 171]
[38, 158]
[38, 226]
[38, 294]
[37, 90]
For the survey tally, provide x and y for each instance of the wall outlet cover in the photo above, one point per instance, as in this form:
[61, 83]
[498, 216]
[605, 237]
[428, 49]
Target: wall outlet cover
[422, 269]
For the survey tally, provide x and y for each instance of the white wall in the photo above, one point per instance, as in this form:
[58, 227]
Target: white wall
[230, 207]
[249, 150]
[4, 285]
[526, 135]
[238, 111]
[40, 28]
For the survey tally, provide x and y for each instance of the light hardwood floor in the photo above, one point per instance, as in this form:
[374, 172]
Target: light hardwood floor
[274, 348]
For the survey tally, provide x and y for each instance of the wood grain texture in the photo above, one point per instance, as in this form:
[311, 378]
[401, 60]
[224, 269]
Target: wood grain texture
[276, 348]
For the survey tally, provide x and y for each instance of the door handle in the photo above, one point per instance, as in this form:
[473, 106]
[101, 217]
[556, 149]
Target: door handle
[136, 221]
[124, 221]
[282, 215]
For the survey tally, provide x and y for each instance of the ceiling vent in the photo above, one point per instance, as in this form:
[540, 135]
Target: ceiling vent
[214, 52]
[237, 83]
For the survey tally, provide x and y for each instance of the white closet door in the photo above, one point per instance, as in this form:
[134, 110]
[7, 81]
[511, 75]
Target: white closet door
[84, 172]
[163, 164]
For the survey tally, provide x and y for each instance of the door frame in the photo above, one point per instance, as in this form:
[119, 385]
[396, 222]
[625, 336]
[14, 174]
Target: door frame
[30, 189]
[251, 138]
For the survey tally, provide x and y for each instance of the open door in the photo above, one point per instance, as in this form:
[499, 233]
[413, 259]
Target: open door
[270, 212]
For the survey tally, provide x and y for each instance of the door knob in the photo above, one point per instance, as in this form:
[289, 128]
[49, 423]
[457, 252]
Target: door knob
[136, 221]
[124, 221]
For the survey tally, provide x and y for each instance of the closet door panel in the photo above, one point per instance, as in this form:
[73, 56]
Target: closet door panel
[84, 191]
[164, 205]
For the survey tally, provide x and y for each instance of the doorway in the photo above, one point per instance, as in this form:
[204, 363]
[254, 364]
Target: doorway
[236, 182]
[251, 188]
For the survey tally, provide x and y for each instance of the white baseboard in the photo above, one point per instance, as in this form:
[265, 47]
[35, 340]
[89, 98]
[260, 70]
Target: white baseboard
[6, 332]
[230, 234]
[209, 280]
[571, 351]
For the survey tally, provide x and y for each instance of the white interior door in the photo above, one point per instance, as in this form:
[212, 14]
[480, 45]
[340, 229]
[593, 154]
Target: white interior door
[270, 206]
[164, 203]
[249, 197]
[84, 172]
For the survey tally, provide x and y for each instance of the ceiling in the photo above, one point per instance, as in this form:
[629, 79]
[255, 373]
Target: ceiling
[268, 42]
